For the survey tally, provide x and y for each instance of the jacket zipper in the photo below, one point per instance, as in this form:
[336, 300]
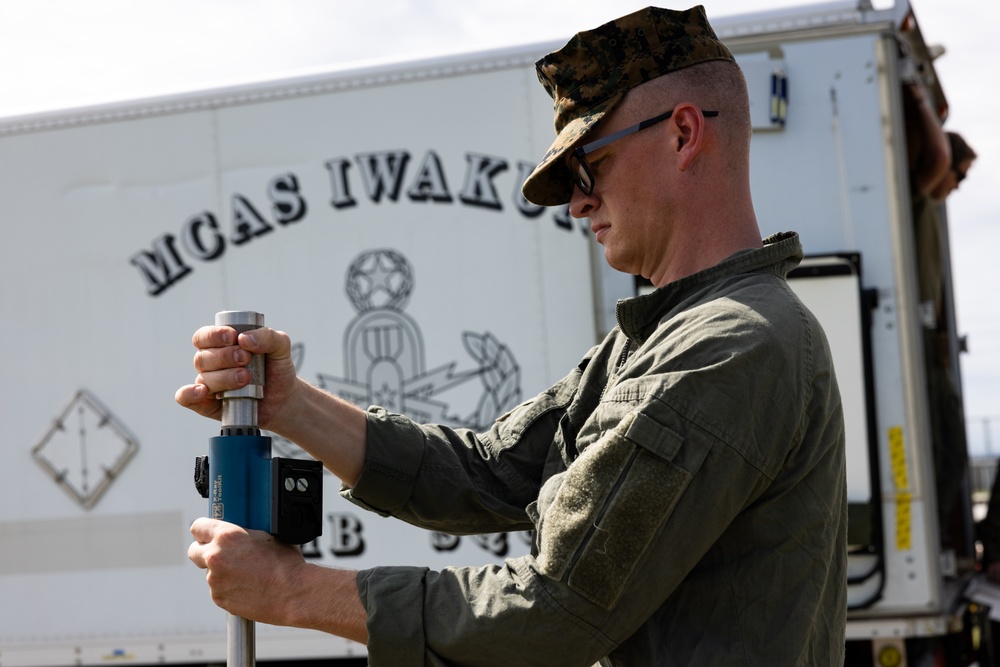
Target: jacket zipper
[625, 353]
[622, 358]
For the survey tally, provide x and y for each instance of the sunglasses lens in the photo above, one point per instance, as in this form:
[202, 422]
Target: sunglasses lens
[581, 175]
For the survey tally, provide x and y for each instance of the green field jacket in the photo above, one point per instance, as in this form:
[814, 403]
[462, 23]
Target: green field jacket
[685, 484]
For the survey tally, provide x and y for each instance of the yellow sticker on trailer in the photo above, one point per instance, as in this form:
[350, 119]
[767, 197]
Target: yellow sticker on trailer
[897, 458]
[903, 526]
[901, 480]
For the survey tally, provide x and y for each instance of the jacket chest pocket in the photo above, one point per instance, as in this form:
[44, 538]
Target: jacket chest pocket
[611, 503]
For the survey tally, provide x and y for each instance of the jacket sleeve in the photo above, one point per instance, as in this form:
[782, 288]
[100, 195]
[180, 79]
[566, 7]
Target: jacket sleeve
[454, 480]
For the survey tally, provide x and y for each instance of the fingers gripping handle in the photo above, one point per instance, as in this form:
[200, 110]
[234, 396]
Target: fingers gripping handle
[242, 321]
[239, 406]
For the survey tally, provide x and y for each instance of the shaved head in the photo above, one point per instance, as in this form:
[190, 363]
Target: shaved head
[717, 86]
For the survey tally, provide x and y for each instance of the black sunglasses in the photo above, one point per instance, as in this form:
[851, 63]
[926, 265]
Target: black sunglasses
[582, 174]
[959, 174]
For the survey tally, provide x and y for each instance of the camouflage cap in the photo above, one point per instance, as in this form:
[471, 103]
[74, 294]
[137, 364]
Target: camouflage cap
[589, 76]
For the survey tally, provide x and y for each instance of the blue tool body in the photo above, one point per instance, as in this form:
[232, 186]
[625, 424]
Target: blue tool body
[240, 480]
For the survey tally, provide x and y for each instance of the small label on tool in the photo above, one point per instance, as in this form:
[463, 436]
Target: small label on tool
[218, 507]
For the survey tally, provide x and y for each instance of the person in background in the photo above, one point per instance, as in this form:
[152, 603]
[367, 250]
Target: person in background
[939, 161]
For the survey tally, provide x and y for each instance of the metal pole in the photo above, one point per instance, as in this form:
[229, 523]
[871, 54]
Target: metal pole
[240, 644]
[239, 417]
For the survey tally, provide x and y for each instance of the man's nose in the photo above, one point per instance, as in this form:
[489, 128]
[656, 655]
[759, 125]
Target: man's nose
[582, 205]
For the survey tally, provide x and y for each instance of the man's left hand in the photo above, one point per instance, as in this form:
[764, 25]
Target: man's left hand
[250, 573]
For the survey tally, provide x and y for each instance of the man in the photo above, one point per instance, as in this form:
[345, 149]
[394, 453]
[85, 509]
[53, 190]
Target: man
[685, 482]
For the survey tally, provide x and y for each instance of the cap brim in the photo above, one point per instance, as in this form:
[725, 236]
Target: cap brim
[551, 183]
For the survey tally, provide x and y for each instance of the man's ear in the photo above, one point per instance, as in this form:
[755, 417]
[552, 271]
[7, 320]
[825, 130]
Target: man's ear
[690, 126]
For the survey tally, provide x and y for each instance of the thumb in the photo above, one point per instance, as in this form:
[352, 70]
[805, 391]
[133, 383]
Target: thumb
[204, 529]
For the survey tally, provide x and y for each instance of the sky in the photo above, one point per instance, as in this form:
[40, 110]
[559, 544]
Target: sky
[64, 53]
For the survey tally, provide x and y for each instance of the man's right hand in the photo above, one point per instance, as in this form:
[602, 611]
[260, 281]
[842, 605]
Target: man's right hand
[330, 429]
[221, 360]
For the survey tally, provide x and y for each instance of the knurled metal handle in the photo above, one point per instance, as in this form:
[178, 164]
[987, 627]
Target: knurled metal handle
[242, 321]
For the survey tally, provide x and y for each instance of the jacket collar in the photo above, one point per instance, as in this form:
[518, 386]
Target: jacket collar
[638, 316]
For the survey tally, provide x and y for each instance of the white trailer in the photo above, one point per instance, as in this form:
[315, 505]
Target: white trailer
[374, 214]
